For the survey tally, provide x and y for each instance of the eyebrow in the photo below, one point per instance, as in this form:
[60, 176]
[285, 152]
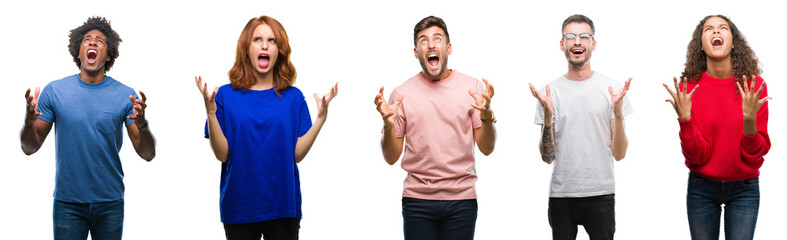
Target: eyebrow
[89, 36]
[435, 34]
[720, 25]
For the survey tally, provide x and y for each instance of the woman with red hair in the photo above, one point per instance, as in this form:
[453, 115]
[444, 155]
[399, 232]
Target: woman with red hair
[259, 128]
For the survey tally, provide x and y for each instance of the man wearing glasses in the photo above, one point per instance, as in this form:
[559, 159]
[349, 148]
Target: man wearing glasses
[581, 114]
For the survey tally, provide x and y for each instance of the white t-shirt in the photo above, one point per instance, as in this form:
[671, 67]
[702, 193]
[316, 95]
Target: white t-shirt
[584, 166]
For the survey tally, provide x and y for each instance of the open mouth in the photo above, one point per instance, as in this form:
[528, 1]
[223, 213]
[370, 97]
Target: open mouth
[92, 54]
[716, 42]
[263, 60]
[433, 59]
[577, 51]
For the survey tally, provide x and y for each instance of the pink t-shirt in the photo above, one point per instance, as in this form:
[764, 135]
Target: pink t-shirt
[437, 120]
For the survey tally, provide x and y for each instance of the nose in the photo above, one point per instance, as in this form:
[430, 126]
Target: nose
[431, 44]
[577, 41]
[264, 45]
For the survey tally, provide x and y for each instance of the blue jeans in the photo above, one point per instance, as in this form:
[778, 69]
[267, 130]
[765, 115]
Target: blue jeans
[439, 219]
[596, 214]
[741, 200]
[74, 220]
[276, 229]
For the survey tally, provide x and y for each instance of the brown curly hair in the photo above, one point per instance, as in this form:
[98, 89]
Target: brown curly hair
[242, 72]
[744, 61]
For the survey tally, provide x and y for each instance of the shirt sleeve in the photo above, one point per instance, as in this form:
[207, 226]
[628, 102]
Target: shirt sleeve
[46, 105]
[753, 148]
[625, 105]
[693, 145]
[131, 108]
[304, 118]
[539, 119]
[400, 123]
[475, 116]
[219, 112]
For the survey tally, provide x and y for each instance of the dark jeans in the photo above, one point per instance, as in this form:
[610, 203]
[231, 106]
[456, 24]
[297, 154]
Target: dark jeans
[74, 220]
[596, 214]
[741, 200]
[276, 229]
[439, 219]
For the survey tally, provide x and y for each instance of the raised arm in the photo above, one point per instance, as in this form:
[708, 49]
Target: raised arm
[547, 144]
[140, 134]
[485, 135]
[619, 141]
[218, 142]
[695, 147]
[391, 145]
[306, 141]
[35, 130]
[755, 143]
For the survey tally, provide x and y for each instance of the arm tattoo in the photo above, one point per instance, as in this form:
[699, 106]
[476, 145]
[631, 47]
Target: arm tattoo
[547, 145]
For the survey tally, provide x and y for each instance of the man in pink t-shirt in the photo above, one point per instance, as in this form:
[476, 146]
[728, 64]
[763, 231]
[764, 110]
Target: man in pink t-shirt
[444, 115]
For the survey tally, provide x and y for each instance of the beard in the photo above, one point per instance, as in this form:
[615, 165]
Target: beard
[433, 73]
[95, 72]
[577, 64]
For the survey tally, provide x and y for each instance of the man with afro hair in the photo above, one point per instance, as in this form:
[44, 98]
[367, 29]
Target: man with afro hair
[88, 110]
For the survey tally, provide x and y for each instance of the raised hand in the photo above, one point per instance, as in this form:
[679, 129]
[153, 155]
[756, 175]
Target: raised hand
[322, 102]
[139, 110]
[210, 98]
[32, 106]
[750, 100]
[681, 99]
[387, 111]
[617, 103]
[482, 100]
[545, 100]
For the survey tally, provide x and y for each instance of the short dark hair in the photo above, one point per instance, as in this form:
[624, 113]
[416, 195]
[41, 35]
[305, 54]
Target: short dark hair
[427, 22]
[94, 23]
[578, 18]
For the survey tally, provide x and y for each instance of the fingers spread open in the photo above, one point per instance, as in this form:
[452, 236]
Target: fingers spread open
[693, 90]
[671, 93]
[762, 86]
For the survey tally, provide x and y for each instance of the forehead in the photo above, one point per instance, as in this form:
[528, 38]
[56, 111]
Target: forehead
[715, 21]
[433, 30]
[577, 27]
[263, 30]
[95, 33]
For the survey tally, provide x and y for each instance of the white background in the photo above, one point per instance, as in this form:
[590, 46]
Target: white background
[349, 191]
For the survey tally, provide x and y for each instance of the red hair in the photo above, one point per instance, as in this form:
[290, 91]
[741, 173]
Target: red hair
[242, 73]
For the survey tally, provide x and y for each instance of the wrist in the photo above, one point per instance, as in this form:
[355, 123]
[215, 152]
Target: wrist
[141, 122]
[488, 116]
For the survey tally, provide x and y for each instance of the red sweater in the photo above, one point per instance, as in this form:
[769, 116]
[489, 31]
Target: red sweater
[712, 140]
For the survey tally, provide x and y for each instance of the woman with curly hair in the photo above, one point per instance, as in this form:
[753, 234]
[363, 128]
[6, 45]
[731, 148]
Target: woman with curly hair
[259, 128]
[723, 129]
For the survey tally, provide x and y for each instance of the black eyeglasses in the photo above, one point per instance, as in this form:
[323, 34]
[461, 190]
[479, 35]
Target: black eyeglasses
[582, 36]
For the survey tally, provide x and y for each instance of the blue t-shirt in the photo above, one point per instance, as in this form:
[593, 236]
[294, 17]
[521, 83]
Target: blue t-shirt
[88, 121]
[259, 180]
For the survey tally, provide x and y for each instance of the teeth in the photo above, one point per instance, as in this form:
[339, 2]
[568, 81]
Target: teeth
[432, 55]
[716, 39]
[92, 51]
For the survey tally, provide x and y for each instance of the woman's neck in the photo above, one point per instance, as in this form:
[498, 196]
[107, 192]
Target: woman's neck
[720, 69]
[264, 81]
